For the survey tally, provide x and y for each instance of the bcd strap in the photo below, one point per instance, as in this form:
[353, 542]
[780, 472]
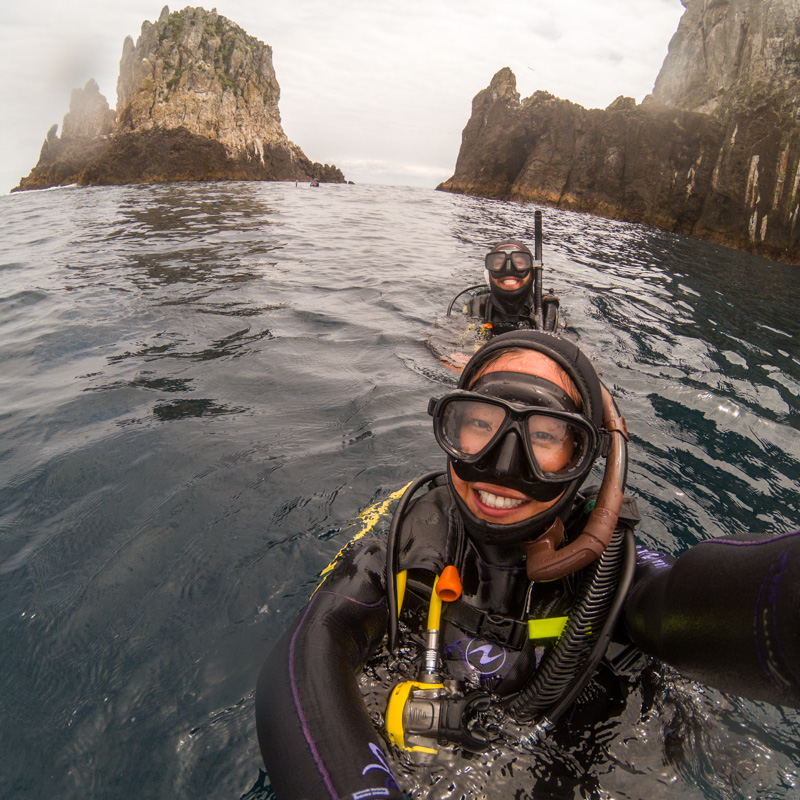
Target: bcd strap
[497, 628]
[502, 630]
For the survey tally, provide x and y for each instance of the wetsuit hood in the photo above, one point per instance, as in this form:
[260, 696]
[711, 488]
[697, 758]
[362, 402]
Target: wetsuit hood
[582, 374]
[511, 303]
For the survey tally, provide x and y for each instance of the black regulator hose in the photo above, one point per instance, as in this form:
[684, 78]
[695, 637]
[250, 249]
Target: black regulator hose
[391, 551]
[568, 666]
[600, 647]
[464, 291]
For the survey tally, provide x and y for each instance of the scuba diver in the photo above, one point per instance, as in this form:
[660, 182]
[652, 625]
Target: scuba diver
[519, 587]
[513, 297]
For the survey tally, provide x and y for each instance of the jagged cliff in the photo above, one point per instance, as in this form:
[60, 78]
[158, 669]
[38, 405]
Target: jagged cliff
[197, 99]
[713, 152]
[733, 53]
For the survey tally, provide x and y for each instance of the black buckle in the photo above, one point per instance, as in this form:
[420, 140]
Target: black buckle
[503, 630]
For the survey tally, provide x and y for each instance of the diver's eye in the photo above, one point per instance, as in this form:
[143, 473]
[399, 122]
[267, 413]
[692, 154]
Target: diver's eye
[553, 442]
[546, 431]
[479, 424]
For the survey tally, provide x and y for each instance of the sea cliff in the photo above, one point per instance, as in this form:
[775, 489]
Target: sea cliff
[197, 99]
[713, 152]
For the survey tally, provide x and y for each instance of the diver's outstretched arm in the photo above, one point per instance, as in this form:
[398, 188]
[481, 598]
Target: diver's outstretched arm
[316, 737]
[725, 613]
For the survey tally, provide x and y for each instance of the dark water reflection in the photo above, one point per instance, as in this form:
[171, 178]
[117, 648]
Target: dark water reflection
[204, 386]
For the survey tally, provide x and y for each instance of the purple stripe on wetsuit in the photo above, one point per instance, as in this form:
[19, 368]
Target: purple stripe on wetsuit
[755, 543]
[764, 614]
[296, 698]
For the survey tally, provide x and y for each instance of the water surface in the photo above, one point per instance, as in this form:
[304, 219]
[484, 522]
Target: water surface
[204, 385]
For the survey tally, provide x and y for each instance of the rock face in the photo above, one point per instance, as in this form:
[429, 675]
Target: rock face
[197, 99]
[729, 53]
[714, 152]
[86, 130]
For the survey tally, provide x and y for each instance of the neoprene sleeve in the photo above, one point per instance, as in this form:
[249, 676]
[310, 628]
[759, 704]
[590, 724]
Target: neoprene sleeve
[316, 737]
[725, 613]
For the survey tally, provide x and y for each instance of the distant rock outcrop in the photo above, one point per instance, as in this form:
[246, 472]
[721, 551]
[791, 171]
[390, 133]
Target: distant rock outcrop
[86, 130]
[729, 54]
[714, 152]
[197, 99]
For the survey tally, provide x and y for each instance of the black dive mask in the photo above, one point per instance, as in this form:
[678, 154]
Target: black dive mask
[515, 262]
[517, 431]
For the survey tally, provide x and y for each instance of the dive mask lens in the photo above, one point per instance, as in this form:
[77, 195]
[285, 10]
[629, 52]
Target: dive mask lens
[559, 446]
[519, 261]
[468, 428]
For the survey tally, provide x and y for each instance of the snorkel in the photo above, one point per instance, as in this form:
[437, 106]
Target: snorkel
[538, 266]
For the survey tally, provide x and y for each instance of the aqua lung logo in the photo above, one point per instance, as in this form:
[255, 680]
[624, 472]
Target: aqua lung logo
[485, 658]
[381, 766]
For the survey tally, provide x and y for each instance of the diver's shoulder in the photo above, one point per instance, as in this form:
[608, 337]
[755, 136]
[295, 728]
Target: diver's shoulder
[424, 530]
[476, 306]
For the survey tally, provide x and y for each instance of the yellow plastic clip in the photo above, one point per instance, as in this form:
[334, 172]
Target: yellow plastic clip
[550, 628]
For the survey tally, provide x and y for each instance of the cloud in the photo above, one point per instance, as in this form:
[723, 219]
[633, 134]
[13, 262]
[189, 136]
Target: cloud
[375, 83]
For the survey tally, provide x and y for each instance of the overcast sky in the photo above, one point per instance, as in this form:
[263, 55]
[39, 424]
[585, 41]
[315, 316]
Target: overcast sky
[381, 88]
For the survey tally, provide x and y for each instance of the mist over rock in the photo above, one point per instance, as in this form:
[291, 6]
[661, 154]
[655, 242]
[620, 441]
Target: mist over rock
[197, 99]
[87, 128]
[713, 152]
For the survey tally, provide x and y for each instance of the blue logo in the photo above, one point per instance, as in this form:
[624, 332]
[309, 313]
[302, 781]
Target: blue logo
[485, 658]
[381, 766]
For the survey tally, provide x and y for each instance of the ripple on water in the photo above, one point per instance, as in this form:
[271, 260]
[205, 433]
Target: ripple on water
[205, 384]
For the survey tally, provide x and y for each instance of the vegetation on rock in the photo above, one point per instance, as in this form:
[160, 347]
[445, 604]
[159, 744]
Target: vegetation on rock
[712, 153]
[193, 80]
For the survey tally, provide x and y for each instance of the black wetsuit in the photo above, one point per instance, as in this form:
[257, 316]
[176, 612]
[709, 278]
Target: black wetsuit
[482, 307]
[725, 613]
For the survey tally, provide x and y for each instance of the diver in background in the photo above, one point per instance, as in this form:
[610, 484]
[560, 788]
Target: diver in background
[549, 593]
[513, 297]
[509, 302]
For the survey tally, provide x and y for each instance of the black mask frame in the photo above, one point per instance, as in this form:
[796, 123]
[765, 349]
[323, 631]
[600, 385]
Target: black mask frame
[516, 262]
[499, 455]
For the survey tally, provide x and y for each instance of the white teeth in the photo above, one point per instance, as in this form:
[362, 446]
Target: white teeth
[494, 501]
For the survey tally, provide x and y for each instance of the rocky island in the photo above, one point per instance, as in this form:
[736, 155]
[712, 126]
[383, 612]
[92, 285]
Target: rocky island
[713, 152]
[197, 100]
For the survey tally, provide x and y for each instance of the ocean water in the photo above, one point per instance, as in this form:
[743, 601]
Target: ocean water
[204, 386]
